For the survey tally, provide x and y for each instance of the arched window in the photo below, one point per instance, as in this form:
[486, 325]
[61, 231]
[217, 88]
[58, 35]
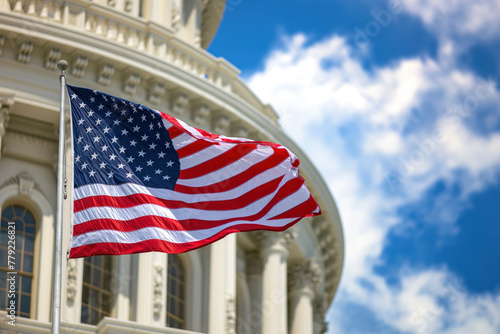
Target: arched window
[97, 296]
[176, 292]
[19, 219]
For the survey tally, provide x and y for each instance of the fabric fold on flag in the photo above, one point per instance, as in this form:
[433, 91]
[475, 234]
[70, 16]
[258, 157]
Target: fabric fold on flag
[145, 181]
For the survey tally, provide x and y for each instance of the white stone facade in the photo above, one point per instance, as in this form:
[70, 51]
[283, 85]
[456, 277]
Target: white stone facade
[153, 52]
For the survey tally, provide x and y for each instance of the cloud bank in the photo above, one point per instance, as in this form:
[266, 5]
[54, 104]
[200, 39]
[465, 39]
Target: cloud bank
[382, 138]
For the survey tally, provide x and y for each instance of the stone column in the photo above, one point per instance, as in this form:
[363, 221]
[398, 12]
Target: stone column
[150, 292]
[303, 279]
[274, 255]
[254, 278]
[231, 270]
[6, 103]
[121, 283]
[222, 293]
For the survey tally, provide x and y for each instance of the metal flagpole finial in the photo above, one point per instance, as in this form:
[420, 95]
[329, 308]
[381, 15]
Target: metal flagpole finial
[62, 65]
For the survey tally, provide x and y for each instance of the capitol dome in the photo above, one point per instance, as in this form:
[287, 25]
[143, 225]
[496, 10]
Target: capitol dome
[152, 52]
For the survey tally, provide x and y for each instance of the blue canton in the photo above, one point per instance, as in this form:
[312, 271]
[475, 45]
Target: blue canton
[116, 141]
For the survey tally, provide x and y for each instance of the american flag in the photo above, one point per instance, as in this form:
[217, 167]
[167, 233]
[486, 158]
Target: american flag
[145, 181]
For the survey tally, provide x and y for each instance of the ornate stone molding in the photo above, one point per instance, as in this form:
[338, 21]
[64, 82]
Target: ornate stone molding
[27, 138]
[25, 182]
[72, 280]
[240, 131]
[156, 92]
[320, 306]
[6, 103]
[104, 74]
[130, 83]
[129, 5]
[158, 290]
[179, 103]
[327, 248]
[201, 113]
[80, 63]
[12, 180]
[221, 125]
[230, 314]
[52, 56]
[24, 51]
[304, 275]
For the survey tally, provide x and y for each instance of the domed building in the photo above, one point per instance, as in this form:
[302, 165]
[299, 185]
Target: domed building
[152, 52]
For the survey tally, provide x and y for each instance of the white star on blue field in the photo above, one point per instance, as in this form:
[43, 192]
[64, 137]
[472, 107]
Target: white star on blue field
[397, 103]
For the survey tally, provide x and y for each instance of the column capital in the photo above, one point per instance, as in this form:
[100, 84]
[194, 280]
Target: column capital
[304, 276]
[6, 103]
[270, 242]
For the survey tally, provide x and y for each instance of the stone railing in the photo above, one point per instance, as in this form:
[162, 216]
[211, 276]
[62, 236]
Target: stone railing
[139, 34]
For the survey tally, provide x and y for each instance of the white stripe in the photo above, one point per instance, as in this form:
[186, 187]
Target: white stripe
[193, 131]
[183, 140]
[156, 233]
[132, 188]
[203, 155]
[167, 124]
[289, 202]
[234, 168]
[197, 134]
[142, 210]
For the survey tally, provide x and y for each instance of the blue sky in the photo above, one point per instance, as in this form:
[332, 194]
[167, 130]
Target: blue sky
[398, 105]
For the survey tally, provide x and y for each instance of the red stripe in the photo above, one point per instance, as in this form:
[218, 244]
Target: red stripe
[140, 198]
[174, 132]
[113, 248]
[217, 138]
[233, 154]
[189, 224]
[180, 127]
[193, 148]
[235, 180]
[308, 206]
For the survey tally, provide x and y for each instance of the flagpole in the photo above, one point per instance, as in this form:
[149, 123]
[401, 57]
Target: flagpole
[62, 65]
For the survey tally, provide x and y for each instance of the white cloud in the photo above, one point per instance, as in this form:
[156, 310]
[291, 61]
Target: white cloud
[428, 301]
[477, 18]
[361, 129]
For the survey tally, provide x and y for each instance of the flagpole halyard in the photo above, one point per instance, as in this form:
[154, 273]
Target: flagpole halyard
[62, 65]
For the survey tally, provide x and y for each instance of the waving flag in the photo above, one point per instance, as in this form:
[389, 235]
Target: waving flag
[145, 181]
